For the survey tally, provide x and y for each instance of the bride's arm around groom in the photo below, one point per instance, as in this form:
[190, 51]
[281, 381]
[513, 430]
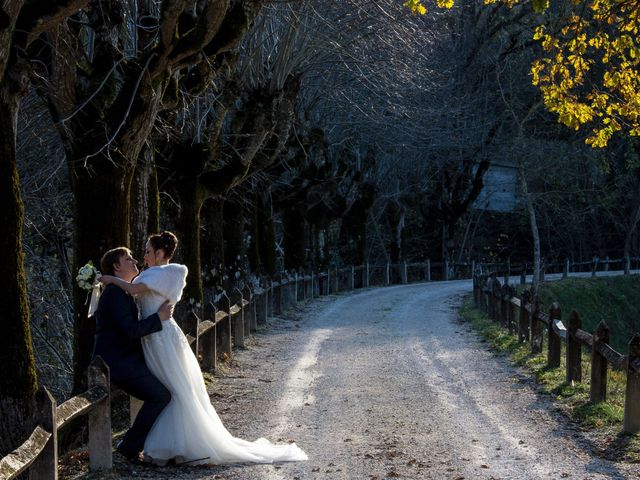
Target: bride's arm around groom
[117, 341]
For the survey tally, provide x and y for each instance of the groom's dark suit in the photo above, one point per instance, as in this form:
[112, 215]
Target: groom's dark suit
[117, 341]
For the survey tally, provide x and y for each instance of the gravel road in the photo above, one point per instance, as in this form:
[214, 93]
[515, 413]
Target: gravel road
[387, 383]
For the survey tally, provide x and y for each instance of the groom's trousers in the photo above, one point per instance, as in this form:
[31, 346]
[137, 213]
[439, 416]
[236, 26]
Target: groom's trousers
[155, 397]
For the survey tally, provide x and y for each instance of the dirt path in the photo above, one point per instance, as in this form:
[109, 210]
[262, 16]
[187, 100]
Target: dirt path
[386, 383]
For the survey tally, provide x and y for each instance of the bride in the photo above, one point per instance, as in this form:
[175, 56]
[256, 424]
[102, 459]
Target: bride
[188, 429]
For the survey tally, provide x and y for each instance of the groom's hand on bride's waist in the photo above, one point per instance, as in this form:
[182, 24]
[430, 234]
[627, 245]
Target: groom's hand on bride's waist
[165, 312]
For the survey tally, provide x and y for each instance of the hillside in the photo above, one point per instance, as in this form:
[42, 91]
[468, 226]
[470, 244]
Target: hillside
[616, 300]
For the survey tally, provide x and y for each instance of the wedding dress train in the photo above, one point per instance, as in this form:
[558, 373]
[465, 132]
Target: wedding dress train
[189, 428]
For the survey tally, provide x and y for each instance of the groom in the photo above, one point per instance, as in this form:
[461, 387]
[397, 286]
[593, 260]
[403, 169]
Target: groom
[117, 341]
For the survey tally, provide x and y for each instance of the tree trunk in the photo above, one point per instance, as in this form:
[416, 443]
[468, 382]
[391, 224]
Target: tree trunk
[533, 223]
[102, 217]
[213, 239]
[18, 380]
[234, 251]
[633, 223]
[266, 234]
[293, 228]
[191, 199]
[254, 231]
[145, 202]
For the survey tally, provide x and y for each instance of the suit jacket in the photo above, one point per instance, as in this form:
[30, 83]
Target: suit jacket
[118, 334]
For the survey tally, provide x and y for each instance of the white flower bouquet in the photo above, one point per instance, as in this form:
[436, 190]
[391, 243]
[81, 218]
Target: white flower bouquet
[87, 276]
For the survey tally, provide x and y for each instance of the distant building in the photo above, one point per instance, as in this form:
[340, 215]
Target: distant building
[500, 191]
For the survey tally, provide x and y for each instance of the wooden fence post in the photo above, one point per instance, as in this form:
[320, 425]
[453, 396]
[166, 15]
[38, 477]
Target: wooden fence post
[134, 407]
[485, 295]
[46, 465]
[403, 271]
[523, 274]
[523, 323]
[100, 453]
[631, 422]
[535, 326]
[365, 275]
[492, 298]
[504, 305]
[387, 274]
[236, 316]
[554, 344]
[598, 387]
[428, 269]
[328, 289]
[208, 342]
[565, 273]
[251, 309]
[574, 360]
[190, 323]
[276, 297]
[223, 328]
[269, 297]
[594, 269]
[445, 268]
[511, 309]
[353, 280]
[313, 280]
[261, 307]
[245, 307]
[495, 299]
[284, 293]
[476, 291]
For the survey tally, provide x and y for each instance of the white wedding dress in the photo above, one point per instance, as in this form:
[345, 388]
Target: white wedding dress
[189, 429]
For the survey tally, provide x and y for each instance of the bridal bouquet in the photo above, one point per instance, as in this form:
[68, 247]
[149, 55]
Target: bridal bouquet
[87, 279]
[87, 276]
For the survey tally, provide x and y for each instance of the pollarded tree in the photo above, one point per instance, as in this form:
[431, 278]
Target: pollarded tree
[239, 127]
[259, 123]
[21, 23]
[109, 71]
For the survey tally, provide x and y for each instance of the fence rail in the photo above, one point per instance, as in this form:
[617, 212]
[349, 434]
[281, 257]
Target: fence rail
[531, 325]
[39, 453]
[227, 324]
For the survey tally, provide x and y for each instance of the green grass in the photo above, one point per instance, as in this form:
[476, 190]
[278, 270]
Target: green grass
[572, 397]
[604, 418]
[616, 300]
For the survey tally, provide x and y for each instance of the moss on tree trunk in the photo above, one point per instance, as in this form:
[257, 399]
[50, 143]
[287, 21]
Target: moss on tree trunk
[18, 380]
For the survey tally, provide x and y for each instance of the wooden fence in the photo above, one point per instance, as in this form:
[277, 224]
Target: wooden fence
[524, 318]
[39, 453]
[227, 325]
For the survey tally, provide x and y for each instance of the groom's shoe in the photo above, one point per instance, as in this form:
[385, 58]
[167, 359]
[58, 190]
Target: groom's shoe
[133, 457]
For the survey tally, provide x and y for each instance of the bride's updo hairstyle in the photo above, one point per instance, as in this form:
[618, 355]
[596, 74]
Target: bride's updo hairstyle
[165, 241]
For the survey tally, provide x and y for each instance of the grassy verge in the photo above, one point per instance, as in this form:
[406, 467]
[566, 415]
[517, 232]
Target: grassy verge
[616, 300]
[572, 398]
